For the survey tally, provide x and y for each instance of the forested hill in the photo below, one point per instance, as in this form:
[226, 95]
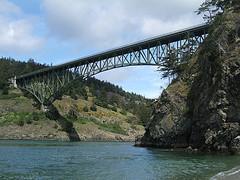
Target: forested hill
[9, 67]
[104, 94]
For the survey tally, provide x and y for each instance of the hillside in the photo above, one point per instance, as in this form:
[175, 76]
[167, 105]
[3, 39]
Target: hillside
[19, 119]
[93, 109]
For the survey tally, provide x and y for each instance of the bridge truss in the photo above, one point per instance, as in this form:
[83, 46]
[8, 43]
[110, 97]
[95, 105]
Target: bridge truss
[49, 83]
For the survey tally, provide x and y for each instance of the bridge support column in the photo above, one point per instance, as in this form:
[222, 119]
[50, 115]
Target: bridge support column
[13, 82]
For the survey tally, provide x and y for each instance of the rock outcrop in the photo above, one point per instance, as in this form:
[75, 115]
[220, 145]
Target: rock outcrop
[169, 126]
[201, 108]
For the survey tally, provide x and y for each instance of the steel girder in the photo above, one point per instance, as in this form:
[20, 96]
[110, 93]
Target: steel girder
[47, 86]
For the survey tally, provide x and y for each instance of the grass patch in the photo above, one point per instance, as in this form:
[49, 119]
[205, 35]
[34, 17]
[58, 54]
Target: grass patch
[83, 120]
[110, 127]
[9, 96]
[20, 118]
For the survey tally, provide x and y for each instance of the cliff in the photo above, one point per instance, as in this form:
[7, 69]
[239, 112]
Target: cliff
[201, 108]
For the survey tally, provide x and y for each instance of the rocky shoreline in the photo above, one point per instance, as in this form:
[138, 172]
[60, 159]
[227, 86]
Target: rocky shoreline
[51, 131]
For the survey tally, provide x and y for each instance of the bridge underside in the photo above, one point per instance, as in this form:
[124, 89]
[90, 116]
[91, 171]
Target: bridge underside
[49, 84]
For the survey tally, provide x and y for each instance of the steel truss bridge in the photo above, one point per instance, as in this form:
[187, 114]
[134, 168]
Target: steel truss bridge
[48, 84]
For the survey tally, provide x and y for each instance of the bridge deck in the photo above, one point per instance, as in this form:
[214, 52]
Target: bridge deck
[147, 43]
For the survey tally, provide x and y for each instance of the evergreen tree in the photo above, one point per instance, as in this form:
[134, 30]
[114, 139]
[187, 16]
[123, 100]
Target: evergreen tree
[212, 8]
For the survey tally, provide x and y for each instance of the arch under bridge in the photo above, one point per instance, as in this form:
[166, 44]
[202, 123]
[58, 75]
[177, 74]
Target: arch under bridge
[48, 84]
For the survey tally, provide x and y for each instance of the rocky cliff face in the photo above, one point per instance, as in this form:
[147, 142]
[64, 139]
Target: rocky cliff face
[169, 127]
[215, 94]
[170, 124]
[201, 108]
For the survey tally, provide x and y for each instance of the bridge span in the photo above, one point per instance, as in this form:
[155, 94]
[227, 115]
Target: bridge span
[47, 84]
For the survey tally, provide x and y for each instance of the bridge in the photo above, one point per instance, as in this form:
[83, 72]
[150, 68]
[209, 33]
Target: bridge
[47, 84]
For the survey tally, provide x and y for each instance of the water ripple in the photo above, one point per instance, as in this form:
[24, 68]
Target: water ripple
[92, 160]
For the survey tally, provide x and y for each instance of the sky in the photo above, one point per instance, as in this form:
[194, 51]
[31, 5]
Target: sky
[58, 31]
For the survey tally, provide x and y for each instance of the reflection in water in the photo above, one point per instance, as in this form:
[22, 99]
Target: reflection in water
[181, 165]
[104, 160]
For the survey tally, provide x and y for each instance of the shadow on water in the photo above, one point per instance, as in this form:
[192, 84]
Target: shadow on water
[53, 114]
[183, 165]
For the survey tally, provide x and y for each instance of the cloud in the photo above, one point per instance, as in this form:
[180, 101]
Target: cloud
[16, 30]
[104, 24]
[9, 8]
[90, 23]
[152, 26]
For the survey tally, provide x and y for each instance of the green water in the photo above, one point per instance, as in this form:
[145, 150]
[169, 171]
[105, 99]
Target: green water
[104, 160]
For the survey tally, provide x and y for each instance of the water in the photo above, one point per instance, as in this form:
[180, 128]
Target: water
[104, 160]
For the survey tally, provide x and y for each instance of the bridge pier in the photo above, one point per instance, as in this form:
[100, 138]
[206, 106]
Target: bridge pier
[13, 82]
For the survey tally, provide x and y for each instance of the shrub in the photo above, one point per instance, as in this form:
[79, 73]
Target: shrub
[28, 121]
[85, 109]
[5, 90]
[35, 116]
[114, 108]
[72, 113]
[74, 96]
[55, 126]
[133, 120]
[20, 122]
[123, 112]
[93, 108]
[101, 103]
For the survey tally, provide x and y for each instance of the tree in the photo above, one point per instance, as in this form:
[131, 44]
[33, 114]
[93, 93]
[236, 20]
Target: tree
[170, 65]
[212, 11]
[5, 90]
[85, 108]
[212, 8]
[93, 107]
[10, 68]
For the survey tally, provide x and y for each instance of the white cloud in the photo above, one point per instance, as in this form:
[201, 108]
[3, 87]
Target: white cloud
[16, 37]
[16, 30]
[90, 23]
[152, 26]
[104, 24]
[9, 8]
